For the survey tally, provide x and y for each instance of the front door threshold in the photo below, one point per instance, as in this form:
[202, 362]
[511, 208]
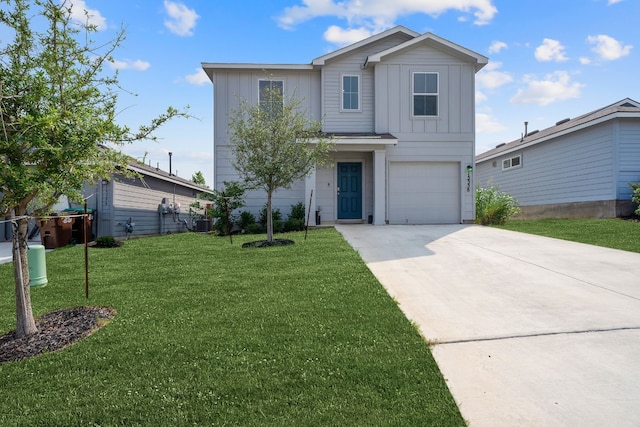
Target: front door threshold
[350, 221]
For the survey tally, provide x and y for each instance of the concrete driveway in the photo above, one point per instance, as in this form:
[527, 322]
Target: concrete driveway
[527, 330]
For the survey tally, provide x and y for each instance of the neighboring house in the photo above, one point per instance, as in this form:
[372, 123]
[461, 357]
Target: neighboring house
[401, 108]
[579, 168]
[154, 203]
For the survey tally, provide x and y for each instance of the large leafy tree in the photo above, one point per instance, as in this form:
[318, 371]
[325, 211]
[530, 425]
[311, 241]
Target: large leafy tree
[275, 144]
[58, 107]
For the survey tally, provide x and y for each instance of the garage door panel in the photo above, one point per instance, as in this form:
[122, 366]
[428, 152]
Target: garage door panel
[424, 192]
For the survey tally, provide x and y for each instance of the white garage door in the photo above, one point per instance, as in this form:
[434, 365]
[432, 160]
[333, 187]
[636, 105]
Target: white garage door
[424, 193]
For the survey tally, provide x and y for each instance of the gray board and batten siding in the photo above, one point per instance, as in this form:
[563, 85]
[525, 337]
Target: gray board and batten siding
[579, 168]
[137, 200]
[382, 133]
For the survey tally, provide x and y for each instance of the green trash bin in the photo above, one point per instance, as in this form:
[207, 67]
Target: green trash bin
[37, 266]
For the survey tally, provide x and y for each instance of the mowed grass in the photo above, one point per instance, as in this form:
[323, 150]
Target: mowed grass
[610, 233]
[208, 333]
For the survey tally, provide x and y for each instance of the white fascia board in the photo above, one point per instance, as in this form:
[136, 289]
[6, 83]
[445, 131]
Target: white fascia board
[480, 60]
[249, 66]
[618, 115]
[398, 29]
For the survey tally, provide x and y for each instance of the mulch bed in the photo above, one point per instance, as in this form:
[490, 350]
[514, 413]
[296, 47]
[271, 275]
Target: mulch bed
[266, 243]
[56, 330]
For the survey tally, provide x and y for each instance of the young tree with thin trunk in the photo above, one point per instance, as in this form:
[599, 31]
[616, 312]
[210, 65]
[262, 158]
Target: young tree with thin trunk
[275, 144]
[57, 111]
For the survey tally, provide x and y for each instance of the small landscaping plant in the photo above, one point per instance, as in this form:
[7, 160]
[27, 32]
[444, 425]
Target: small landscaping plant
[494, 207]
[107, 242]
[635, 196]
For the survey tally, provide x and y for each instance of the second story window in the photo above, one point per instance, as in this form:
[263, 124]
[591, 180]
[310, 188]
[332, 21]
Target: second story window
[425, 94]
[350, 93]
[271, 94]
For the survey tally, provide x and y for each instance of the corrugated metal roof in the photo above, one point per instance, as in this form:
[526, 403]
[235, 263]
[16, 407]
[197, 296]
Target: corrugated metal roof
[618, 109]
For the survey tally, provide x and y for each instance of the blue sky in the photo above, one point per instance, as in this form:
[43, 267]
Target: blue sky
[548, 60]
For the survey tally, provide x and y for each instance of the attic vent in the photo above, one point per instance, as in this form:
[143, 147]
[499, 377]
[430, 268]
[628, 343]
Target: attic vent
[627, 104]
[562, 121]
[533, 132]
[500, 145]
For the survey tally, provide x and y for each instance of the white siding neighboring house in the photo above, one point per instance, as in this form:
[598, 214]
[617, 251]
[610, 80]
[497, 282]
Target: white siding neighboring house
[579, 168]
[401, 108]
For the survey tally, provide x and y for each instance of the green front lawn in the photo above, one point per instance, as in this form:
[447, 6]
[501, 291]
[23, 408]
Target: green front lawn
[610, 233]
[208, 333]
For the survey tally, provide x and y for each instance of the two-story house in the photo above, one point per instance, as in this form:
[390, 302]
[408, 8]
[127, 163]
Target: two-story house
[401, 108]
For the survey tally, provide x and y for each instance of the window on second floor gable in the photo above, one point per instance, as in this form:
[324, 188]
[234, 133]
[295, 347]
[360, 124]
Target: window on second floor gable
[350, 93]
[271, 94]
[425, 94]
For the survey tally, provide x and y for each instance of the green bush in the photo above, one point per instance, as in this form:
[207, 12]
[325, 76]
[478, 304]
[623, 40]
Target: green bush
[294, 224]
[107, 242]
[256, 228]
[246, 219]
[494, 207]
[297, 211]
[276, 215]
[278, 226]
[635, 197]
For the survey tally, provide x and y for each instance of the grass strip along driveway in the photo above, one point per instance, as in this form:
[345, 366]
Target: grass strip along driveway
[609, 233]
[208, 333]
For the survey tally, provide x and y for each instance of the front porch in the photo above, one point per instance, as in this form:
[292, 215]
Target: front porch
[353, 188]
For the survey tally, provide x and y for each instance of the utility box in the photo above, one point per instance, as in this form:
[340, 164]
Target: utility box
[37, 266]
[203, 225]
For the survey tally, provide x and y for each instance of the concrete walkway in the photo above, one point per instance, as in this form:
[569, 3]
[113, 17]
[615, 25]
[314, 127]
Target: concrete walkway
[527, 330]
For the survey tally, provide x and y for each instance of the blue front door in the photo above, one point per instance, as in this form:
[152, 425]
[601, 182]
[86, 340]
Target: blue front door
[349, 190]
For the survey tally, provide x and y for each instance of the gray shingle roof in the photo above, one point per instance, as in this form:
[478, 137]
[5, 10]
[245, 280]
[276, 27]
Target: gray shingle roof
[626, 105]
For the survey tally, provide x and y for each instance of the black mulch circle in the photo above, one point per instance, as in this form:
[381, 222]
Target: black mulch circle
[56, 330]
[266, 243]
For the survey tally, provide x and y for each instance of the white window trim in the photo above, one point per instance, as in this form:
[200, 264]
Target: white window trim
[510, 160]
[345, 110]
[413, 94]
[275, 79]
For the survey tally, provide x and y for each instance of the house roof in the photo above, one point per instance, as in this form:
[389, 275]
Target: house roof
[399, 29]
[145, 170]
[412, 38]
[480, 60]
[624, 108]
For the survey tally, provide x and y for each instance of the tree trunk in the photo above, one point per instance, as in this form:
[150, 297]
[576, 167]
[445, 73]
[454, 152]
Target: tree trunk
[25, 324]
[269, 218]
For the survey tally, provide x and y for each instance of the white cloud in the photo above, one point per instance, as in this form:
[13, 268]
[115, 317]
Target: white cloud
[490, 78]
[486, 123]
[128, 64]
[608, 48]
[610, 2]
[382, 13]
[555, 87]
[81, 13]
[342, 37]
[497, 46]
[182, 20]
[550, 50]
[198, 78]
[480, 97]
[584, 60]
